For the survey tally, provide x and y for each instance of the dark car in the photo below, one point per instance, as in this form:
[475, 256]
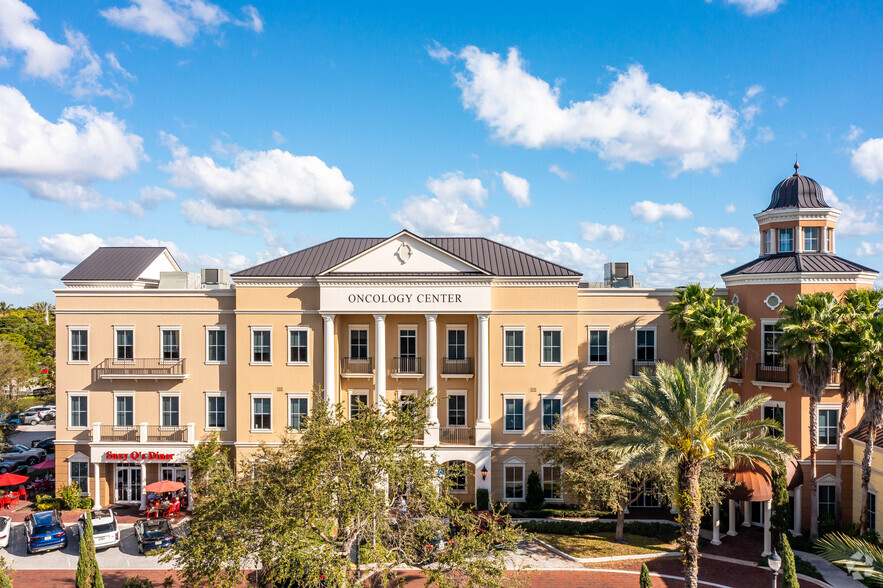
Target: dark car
[9, 466]
[47, 444]
[44, 531]
[153, 534]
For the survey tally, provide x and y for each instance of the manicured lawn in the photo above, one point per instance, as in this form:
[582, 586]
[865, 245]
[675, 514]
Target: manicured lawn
[601, 544]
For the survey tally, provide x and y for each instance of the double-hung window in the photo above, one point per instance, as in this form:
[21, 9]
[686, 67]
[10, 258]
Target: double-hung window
[826, 500]
[298, 409]
[79, 345]
[457, 410]
[551, 412]
[298, 346]
[829, 419]
[125, 411]
[513, 475]
[551, 338]
[786, 240]
[775, 411]
[646, 345]
[261, 413]
[513, 345]
[125, 345]
[79, 411]
[598, 350]
[171, 344]
[408, 360]
[772, 357]
[769, 246]
[810, 238]
[215, 345]
[79, 475]
[261, 346]
[456, 343]
[552, 483]
[216, 410]
[513, 414]
[457, 475]
[359, 343]
[170, 409]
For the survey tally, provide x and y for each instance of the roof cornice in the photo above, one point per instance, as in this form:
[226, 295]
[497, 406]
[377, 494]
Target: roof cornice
[864, 278]
[795, 214]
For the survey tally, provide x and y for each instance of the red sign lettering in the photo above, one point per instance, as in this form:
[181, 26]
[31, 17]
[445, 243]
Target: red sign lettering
[138, 456]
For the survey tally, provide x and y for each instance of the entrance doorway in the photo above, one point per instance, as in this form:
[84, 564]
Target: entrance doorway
[175, 472]
[128, 484]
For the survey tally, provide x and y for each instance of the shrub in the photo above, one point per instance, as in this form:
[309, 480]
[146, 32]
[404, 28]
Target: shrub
[646, 582]
[70, 497]
[534, 498]
[546, 513]
[137, 582]
[662, 531]
[47, 502]
[482, 499]
[789, 566]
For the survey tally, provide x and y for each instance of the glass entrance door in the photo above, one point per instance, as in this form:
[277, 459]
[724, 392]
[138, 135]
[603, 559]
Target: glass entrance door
[174, 472]
[128, 486]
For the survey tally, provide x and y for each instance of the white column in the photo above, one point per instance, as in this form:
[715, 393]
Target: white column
[484, 377]
[380, 361]
[432, 366]
[97, 468]
[732, 516]
[143, 484]
[189, 488]
[330, 372]
[767, 539]
[716, 523]
[746, 513]
[798, 511]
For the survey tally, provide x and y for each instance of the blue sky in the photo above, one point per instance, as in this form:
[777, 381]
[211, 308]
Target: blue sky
[647, 132]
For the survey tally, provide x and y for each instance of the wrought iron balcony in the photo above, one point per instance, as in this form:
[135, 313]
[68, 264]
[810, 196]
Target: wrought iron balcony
[410, 365]
[457, 367]
[362, 366]
[643, 365]
[777, 374]
[456, 436]
[152, 368]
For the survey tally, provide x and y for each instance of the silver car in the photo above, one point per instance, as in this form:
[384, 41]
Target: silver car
[21, 454]
[105, 531]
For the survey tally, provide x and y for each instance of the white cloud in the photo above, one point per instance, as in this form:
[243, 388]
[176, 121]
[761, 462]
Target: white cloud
[853, 133]
[755, 7]
[730, 208]
[729, 238]
[447, 213]
[867, 160]
[651, 212]
[635, 121]
[516, 187]
[67, 248]
[115, 65]
[854, 220]
[153, 195]
[203, 212]
[439, 52]
[261, 179]
[598, 232]
[752, 91]
[695, 261]
[566, 253]
[179, 21]
[866, 249]
[11, 248]
[564, 175]
[765, 134]
[279, 138]
[44, 58]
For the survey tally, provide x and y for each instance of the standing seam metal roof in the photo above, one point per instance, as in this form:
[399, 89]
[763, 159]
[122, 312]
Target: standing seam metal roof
[797, 191]
[115, 264]
[798, 262]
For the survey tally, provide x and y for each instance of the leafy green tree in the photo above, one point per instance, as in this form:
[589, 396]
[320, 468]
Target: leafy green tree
[862, 558]
[88, 574]
[646, 582]
[683, 419]
[780, 521]
[810, 330]
[789, 566]
[6, 572]
[338, 487]
[533, 498]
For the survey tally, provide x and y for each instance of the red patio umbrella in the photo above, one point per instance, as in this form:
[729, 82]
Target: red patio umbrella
[44, 465]
[10, 479]
[163, 486]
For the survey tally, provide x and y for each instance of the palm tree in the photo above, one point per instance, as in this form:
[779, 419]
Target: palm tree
[858, 555]
[810, 328]
[870, 349]
[687, 298]
[851, 356]
[719, 333]
[680, 420]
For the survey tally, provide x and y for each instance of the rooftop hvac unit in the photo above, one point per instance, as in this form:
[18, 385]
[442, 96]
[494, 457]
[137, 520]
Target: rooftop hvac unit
[215, 277]
[178, 281]
[616, 275]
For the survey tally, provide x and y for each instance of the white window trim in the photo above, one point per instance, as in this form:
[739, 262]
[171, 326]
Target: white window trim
[288, 398]
[827, 480]
[169, 394]
[589, 396]
[606, 329]
[465, 463]
[828, 406]
[655, 340]
[465, 395]
[523, 414]
[289, 330]
[70, 347]
[123, 393]
[552, 328]
[514, 462]
[506, 329]
[771, 250]
[216, 394]
[180, 343]
[398, 348]
[764, 323]
[251, 330]
[550, 396]
[779, 240]
[779, 404]
[79, 458]
[349, 397]
[465, 330]
[818, 239]
[349, 340]
[211, 328]
[251, 398]
[550, 464]
[134, 355]
[69, 408]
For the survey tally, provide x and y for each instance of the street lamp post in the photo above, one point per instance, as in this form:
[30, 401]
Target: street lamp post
[775, 562]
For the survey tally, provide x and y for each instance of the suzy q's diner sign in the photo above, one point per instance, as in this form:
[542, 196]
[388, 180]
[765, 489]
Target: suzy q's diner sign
[138, 456]
[404, 298]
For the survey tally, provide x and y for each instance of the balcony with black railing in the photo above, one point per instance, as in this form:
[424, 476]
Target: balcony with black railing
[775, 374]
[408, 365]
[141, 368]
[643, 365]
[462, 366]
[357, 366]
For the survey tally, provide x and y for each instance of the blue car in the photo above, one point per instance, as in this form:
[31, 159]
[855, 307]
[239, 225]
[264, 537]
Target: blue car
[44, 531]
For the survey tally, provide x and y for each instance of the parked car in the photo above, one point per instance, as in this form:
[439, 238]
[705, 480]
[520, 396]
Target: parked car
[20, 453]
[105, 530]
[43, 409]
[44, 531]
[9, 466]
[47, 444]
[5, 531]
[153, 534]
[30, 417]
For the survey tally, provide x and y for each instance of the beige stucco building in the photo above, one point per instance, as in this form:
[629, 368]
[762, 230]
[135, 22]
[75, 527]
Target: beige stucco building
[157, 359]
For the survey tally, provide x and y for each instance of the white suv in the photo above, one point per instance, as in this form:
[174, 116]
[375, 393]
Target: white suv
[105, 530]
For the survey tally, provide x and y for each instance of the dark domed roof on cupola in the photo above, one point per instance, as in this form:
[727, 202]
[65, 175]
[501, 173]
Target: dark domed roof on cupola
[797, 191]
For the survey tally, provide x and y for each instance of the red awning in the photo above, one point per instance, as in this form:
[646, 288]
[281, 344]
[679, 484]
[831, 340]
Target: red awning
[753, 482]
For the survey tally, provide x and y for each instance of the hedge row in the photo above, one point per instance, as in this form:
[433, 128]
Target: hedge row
[662, 531]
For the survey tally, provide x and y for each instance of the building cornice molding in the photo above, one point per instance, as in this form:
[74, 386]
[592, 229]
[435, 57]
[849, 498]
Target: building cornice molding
[275, 282]
[864, 278]
[170, 311]
[411, 280]
[113, 284]
[89, 292]
[796, 214]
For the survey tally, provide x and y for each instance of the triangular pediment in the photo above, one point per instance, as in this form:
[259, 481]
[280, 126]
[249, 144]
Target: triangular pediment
[405, 253]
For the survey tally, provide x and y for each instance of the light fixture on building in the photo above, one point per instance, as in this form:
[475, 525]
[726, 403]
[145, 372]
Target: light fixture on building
[483, 473]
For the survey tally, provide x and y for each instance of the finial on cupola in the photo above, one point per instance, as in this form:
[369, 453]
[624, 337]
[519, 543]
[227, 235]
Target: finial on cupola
[796, 165]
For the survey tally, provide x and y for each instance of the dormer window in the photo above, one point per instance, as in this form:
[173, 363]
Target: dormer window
[786, 240]
[810, 238]
[769, 246]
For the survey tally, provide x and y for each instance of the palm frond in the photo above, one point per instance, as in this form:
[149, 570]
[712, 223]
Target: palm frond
[861, 559]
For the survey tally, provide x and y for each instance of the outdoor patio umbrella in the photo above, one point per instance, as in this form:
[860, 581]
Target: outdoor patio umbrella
[44, 465]
[12, 479]
[161, 486]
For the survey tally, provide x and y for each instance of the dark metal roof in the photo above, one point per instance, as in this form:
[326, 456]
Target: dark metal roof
[494, 258]
[797, 191]
[115, 263]
[798, 262]
[860, 433]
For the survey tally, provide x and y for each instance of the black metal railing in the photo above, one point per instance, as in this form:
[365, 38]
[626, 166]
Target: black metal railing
[141, 367]
[357, 365]
[456, 436]
[457, 367]
[643, 365]
[114, 433]
[160, 433]
[410, 364]
[773, 373]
